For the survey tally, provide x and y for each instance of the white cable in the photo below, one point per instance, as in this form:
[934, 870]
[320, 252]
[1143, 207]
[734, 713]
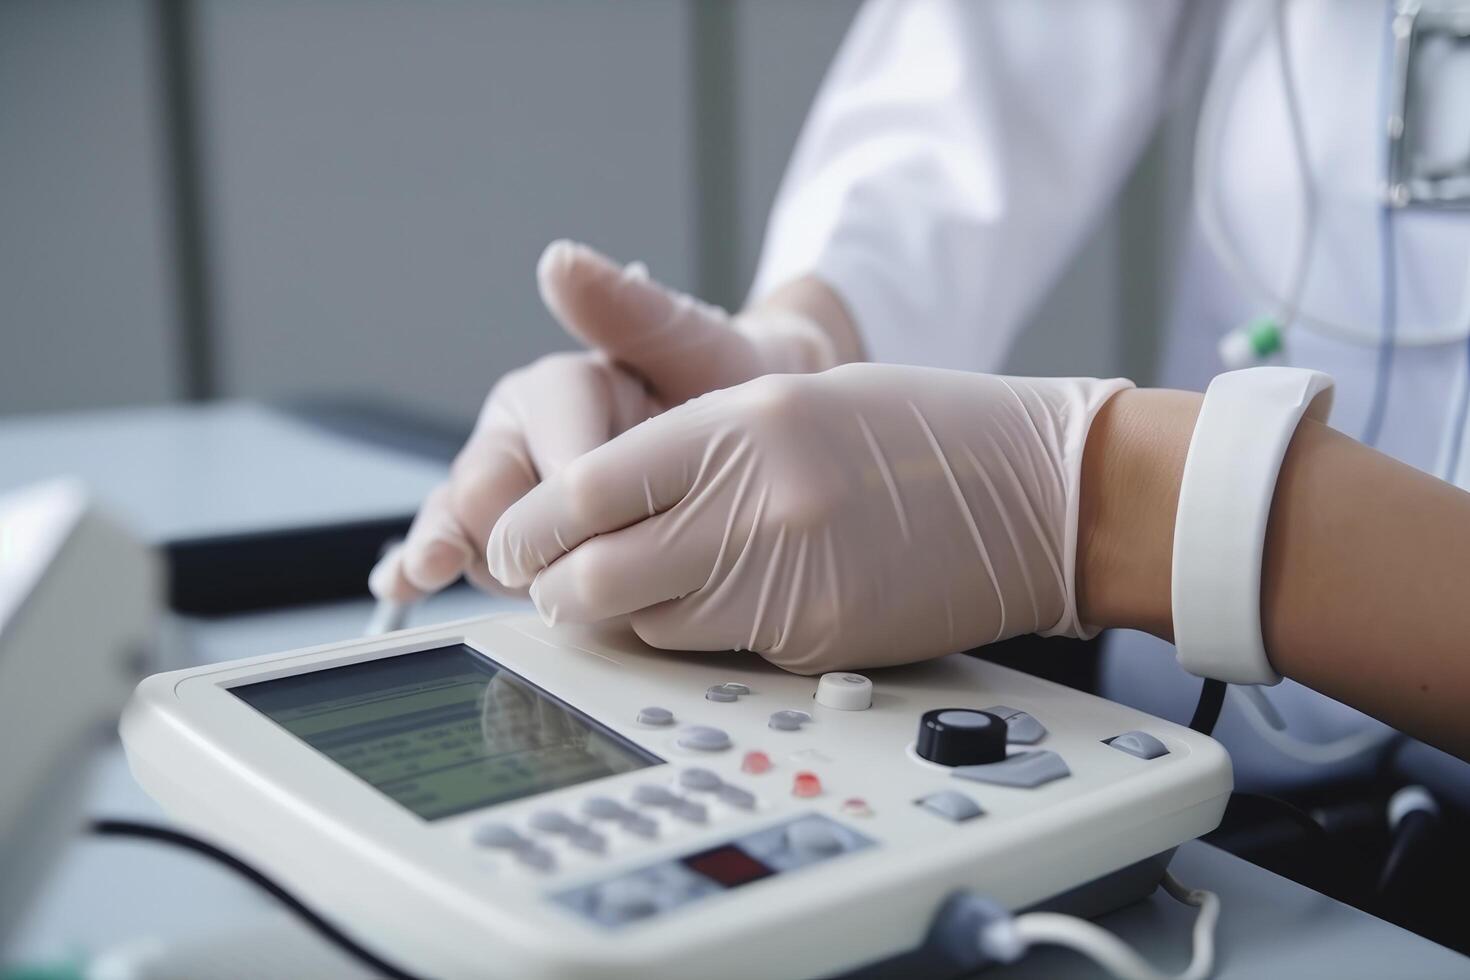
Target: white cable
[1223, 87]
[1007, 939]
[1315, 753]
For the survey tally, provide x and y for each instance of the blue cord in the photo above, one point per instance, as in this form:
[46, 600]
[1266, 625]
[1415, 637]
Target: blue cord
[1387, 264]
[1458, 438]
[1387, 329]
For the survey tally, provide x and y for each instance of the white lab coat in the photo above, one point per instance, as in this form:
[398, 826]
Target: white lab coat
[959, 151]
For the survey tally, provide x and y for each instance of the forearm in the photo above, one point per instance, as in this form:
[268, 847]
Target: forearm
[1364, 573]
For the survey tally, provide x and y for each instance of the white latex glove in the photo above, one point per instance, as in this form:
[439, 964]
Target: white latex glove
[865, 516]
[652, 348]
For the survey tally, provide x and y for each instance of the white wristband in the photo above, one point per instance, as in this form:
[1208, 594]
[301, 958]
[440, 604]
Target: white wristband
[1245, 424]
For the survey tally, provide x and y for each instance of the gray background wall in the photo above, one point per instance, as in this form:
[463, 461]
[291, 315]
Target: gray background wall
[379, 177]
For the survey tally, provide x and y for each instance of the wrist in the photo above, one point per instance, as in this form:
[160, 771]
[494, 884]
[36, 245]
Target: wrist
[1131, 468]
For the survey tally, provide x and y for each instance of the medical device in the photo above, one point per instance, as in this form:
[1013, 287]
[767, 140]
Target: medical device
[78, 596]
[501, 798]
[1413, 177]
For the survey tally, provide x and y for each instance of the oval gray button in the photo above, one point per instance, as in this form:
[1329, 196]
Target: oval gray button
[604, 808]
[648, 795]
[704, 738]
[552, 822]
[654, 715]
[700, 779]
[788, 721]
[718, 693]
[499, 835]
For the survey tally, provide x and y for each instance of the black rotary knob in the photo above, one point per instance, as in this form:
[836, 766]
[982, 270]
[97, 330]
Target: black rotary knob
[961, 737]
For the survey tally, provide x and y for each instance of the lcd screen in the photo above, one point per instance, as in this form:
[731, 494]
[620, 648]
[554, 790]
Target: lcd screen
[444, 731]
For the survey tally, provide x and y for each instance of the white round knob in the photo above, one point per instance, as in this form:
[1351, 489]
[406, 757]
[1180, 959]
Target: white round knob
[844, 691]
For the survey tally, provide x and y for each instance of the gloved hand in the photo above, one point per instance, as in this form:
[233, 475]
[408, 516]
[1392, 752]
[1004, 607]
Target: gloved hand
[652, 348]
[865, 516]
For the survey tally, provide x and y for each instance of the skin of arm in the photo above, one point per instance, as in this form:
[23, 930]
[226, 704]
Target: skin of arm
[1363, 582]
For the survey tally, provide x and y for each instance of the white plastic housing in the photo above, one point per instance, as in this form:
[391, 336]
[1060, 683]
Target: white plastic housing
[425, 895]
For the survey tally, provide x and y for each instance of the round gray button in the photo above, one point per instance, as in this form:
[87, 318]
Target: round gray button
[499, 835]
[552, 822]
[654, 715]
[718, 693]
[813, 839]
[704, 738]
[788, 721]
[735, 688]
[647, 795]
[604, 808]
[588, 840]
[700, 779]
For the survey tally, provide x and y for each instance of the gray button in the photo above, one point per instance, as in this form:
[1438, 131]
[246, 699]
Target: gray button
[604, 808]
[737, 797]
[649, 795]
[625, 899]
[788, 721]
[552, 822]
[538, 858]
[640, 826]
[718, 693]
[700, 779]
[655, 715]
[811, 838]
[1141, 744]
[951, 805]
[704, 738]
[1024, 729]
[964, 719]
[735, 688]
[588, 840]
[690, 811]
[499, 835]
[1025, 770]
[1021, 727]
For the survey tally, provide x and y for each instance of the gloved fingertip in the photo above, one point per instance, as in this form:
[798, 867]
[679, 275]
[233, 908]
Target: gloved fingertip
[636, 270]
[555, 258]
[435, 563]
[501, 563]
[386, 581]
[546, 608]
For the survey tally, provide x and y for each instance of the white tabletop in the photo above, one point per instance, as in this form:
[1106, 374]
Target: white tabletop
[109, 893]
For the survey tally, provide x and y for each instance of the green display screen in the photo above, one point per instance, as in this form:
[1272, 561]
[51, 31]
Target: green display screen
[443, 731]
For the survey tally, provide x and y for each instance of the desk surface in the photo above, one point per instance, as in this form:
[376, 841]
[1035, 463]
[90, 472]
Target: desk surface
[108, 893]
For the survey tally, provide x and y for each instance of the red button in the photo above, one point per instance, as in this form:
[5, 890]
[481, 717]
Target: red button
[755, 762]
[806, 784]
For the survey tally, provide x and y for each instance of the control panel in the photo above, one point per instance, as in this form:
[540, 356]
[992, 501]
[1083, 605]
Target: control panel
[502, 798]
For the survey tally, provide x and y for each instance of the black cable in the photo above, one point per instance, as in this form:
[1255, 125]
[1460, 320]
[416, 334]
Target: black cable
[1285, 808]
[1207, 711]
[323, 928]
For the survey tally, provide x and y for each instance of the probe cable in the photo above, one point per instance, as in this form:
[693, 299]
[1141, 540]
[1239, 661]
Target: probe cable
[319, 925]
[1006, 938]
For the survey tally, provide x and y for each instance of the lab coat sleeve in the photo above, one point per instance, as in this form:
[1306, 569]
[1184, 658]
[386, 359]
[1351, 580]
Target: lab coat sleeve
[957, 154]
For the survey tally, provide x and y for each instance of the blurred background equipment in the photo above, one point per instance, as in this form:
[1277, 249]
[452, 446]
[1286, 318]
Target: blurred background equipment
[78, 598]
